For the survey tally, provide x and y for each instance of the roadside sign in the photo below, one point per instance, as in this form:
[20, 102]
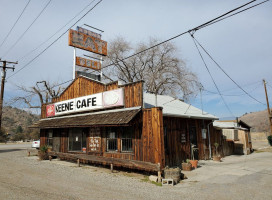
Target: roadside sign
[87, 42]
[83, 62]
[88, 32]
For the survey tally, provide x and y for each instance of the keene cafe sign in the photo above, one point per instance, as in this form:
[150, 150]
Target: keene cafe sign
[107, 99]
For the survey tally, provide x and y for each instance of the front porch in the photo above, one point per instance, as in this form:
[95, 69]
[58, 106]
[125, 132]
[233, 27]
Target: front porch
[100, 160]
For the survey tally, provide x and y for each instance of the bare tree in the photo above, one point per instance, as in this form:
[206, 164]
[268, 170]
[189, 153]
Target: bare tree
[43, 90]
[160, 67]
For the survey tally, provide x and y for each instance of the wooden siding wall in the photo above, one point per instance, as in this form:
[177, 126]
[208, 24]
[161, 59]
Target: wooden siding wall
[43, 137]
[148, 141]
[133, 92]
[152, 141]
[43, 111]
[80, 87]
[176, 152]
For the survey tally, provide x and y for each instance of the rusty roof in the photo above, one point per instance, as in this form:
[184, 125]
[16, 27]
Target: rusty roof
[112, 117]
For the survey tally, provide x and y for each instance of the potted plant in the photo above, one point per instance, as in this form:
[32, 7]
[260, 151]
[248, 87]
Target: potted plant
[186, 166]
[216, 157]
[43, 153]
[193, 161]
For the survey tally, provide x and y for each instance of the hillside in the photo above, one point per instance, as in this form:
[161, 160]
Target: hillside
[13, 118]
[257, 120]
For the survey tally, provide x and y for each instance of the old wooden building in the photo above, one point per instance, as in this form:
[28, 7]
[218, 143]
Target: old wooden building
[121, 125]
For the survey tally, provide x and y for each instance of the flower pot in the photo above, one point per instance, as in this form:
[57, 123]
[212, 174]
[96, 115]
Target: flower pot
[194, 163]
[217, 158]
[186, 166]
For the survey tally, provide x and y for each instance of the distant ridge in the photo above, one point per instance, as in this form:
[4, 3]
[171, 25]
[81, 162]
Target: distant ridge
[257, 120]
[14, 117]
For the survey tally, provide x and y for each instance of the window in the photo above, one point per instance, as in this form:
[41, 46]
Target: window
[126, 141]
[50, 138]
[112, 139]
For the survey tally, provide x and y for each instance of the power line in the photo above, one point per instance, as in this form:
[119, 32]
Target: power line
[233, 95]
[247, 85]
[226, 73]
[198, 27]
[56, 32]
[236, 13]
[55, 40]
[215, 20]
[27, 28]
[212, 77]
[14, 24]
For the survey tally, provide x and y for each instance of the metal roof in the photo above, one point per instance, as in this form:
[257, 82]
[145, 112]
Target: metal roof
[175, 108]
[227, 125]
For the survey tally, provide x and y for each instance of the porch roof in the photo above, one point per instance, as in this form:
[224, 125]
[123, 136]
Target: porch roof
[111, 117]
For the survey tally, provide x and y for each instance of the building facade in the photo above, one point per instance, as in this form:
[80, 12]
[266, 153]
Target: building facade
[121, 125]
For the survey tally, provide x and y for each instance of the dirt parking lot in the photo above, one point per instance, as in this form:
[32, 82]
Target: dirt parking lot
[237, 177]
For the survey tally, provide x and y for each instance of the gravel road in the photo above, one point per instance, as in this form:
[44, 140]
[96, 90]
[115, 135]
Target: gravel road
[237, 177]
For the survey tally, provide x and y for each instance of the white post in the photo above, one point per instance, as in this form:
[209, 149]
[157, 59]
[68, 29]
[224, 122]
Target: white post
[74, 64]
[101, 74]
[210, 148]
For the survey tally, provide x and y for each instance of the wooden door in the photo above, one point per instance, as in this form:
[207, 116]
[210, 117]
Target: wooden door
[64, 140]
[56, 141]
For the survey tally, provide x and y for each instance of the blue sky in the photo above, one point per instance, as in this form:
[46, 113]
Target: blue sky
[240, 44]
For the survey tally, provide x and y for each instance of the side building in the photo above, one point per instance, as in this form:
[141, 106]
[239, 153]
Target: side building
[238, 132]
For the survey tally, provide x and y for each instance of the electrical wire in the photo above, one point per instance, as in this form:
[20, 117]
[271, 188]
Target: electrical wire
[14, 24]
[235, 13]
[54, 40]
[249, 84]
[226, 72]
[27, 28]
[56, 32]
[233, 95]
[212, 77]
[215, 20]
[113, 63]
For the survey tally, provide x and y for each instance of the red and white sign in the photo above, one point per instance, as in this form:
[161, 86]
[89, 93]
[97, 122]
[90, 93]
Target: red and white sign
[107, 99]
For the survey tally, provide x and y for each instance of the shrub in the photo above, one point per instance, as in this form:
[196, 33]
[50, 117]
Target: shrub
[269, 138]
[44, 149]
[43, 153]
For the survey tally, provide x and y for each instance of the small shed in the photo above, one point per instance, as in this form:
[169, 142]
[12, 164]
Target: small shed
[238, 132]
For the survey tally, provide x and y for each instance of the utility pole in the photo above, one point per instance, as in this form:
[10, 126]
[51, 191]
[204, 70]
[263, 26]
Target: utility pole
[268, 108]
[4, 67]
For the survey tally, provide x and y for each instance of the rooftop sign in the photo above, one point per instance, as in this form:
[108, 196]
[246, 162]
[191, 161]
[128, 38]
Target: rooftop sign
[107, 99]
[88, 32]
[83, 62]
[87, 42]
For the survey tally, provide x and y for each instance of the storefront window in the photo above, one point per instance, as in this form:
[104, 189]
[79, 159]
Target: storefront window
[50, 138]
[112, 139]
[77, 139]
[127, 134]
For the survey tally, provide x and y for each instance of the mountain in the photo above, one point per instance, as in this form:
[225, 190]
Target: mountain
[257, 120]
[14, 118]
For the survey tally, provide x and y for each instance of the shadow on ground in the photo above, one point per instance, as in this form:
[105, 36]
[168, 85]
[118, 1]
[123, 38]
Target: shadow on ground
[10, 150]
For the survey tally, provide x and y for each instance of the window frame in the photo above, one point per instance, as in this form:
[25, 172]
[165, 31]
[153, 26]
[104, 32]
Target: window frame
[111, 130]
[50, 138]
[125, 138]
